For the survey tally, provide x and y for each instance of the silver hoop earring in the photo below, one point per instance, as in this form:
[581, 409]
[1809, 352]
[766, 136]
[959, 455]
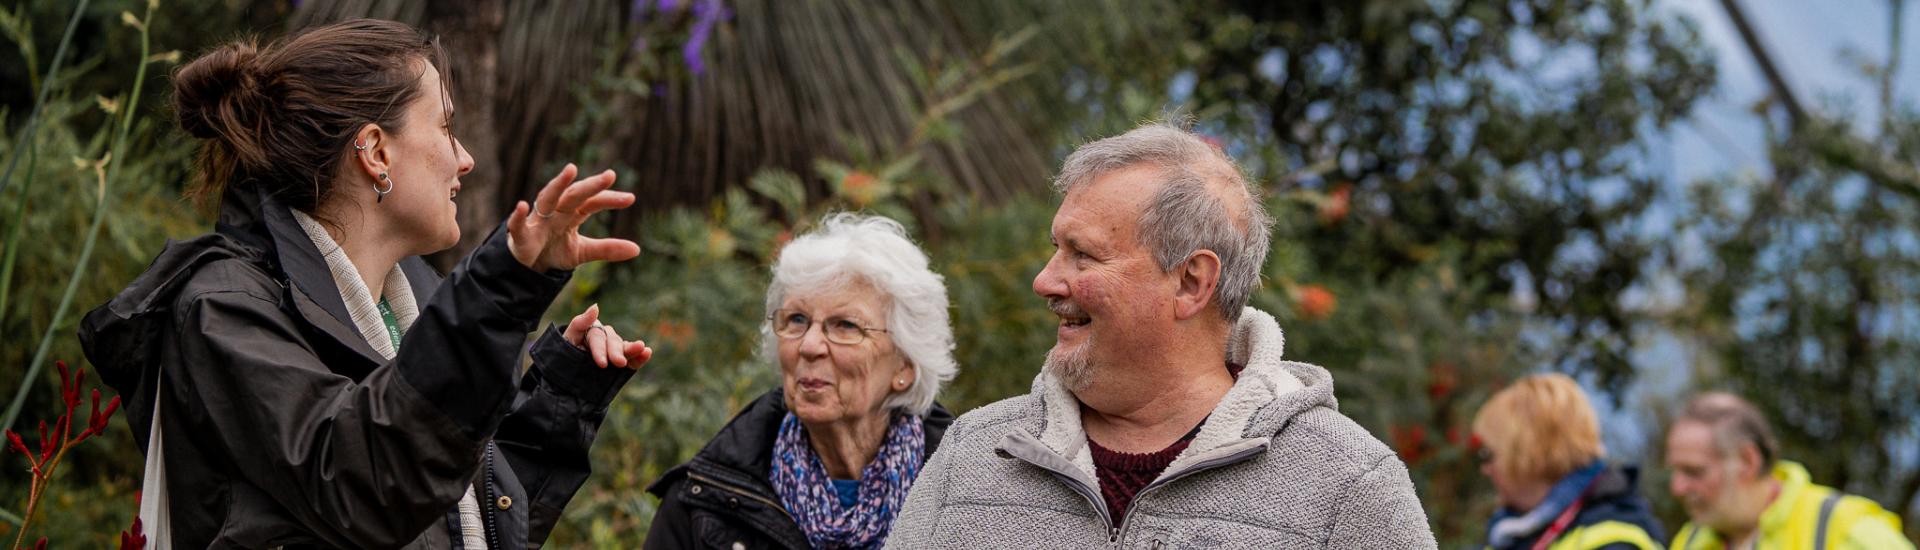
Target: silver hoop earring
[382, 193]
[358, 147]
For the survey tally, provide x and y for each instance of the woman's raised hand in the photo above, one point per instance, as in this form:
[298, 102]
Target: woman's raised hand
[603, 343]
[546, 236]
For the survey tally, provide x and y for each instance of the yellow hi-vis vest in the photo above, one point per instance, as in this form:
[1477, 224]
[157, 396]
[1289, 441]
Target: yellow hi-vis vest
[1592, 537]
[1806, 515]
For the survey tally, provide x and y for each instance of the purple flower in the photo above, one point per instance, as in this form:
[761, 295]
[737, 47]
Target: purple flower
[706, 13]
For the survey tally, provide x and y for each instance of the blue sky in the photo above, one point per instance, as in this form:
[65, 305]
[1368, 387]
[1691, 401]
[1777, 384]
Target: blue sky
[1723, 136]
[1806, 38]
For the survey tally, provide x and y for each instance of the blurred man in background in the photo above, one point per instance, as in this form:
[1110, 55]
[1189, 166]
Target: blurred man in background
[1740, 494]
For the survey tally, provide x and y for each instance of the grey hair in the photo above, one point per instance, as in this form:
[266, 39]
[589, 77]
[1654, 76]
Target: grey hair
[846, 248]
[1735, 423]
[1187, 215]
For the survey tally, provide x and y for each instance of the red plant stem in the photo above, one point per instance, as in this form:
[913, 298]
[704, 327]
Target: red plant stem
[54, 446]
[39, 487]
[43, 471]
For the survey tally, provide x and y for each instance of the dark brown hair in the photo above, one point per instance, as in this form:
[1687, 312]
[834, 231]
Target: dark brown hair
[284, 115]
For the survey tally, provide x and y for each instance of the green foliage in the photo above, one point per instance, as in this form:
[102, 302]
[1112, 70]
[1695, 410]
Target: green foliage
[1474, 125]
[1810, 302]
[68, 175]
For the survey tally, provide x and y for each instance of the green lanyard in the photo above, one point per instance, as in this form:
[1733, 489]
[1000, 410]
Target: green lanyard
[393, 323]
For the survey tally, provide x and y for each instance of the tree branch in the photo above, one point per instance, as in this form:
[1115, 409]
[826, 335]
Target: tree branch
[1764, 59]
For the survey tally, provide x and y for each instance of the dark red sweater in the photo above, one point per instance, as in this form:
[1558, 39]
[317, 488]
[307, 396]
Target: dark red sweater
[1124, 474]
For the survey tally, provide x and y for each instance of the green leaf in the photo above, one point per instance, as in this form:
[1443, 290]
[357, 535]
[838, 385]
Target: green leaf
[783, 188]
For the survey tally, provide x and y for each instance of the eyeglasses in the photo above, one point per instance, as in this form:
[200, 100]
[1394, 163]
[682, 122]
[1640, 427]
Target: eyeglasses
[793, 325]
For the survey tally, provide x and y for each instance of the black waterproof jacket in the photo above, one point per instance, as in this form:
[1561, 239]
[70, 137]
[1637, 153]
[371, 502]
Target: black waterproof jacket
[284, 427]
[722, 499]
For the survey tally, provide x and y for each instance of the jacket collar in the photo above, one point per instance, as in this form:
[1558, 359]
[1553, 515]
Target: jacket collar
[1269, 392]
[362, 306]
[744, 446]
[1509, 527]
[257, 218]
[1794, 480]
[741, 456]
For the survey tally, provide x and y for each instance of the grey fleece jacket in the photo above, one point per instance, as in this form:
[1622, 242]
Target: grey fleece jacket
[1275, 466]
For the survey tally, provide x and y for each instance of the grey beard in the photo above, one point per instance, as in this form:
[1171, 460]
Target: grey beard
[1074, 369]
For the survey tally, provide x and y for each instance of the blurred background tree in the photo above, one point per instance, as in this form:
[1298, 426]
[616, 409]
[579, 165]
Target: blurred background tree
[1462, 190]
[1811, 288]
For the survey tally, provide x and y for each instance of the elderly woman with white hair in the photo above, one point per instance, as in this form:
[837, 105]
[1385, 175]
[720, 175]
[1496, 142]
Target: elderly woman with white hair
[858, 326]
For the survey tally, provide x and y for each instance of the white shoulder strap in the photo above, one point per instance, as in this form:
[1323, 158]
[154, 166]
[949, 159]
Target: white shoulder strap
[155, 516]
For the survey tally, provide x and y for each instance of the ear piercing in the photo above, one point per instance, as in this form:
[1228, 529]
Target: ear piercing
[382, 193]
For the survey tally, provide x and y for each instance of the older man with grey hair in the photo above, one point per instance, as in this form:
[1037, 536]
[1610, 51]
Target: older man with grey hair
[1164, 415]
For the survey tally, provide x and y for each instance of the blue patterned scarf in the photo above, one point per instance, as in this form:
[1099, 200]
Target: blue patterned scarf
[807, 493]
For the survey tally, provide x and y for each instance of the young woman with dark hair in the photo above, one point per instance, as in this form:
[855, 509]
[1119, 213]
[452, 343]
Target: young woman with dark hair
[299, 375]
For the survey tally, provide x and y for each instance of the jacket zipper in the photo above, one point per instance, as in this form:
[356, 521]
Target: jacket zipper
[1099, 503]
[1197, 467]
[735, 489]
[1091, 495]
[493, 535]
[1116, 531]
[750, 495]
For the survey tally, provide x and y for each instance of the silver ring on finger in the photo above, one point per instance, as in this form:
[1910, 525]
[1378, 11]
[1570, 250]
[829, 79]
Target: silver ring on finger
[536, 212]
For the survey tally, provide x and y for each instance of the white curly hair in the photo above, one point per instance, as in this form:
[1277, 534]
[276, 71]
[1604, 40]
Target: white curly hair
[848, 247]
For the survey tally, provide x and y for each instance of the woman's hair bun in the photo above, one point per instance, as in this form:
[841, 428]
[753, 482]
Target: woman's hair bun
[214, 93]
[284, 113]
